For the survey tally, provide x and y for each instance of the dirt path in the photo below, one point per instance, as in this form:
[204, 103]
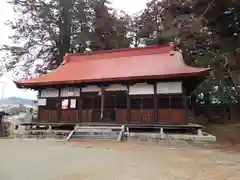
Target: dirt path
[49, 160]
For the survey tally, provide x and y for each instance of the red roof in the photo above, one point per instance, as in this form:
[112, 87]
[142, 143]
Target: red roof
[124, 64]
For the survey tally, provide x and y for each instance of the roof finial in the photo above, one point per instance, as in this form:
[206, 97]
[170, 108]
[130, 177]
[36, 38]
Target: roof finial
[172, 45]
[65, 59]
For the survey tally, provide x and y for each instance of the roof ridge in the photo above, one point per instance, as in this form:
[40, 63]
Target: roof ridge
[117, 53]
[118, 50]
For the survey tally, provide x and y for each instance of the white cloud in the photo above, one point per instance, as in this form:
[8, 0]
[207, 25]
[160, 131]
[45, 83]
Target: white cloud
[129, 6]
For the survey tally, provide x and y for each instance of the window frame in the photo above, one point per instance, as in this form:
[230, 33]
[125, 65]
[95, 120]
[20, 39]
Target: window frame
[117, 100]
[170, 98]
[52, 103]
[141, 99]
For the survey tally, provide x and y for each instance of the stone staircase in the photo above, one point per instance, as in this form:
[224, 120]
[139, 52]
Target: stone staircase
[97, 133]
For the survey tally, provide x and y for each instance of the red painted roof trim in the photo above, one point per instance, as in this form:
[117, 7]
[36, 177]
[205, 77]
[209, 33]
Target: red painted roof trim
[182, 75]
[152, 62]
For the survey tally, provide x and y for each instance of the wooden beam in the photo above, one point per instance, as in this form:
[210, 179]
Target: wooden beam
[155, 104]
[60, 105]
[102, 103]
[79, 105]
[38, 113]
[128, 106]
[184, 95]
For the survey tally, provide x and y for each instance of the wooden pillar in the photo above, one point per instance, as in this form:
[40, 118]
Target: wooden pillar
[79, 105]
[185, 103]
[155, 104]
[102, 103]
[128, 106]
[59, 107]
[38, 112]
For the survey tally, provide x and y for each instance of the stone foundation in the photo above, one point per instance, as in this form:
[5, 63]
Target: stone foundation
[158, 136]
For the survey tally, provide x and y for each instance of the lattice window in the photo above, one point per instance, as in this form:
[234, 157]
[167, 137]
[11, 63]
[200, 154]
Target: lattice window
[170, 102]
[176, 102]
[136, 103]
[121, 101]
[142, 102]
[53, 103]
[87, 103]
[116, 100]
[96, 102]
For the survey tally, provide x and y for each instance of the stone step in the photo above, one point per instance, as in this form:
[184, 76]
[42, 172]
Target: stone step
[97, 133]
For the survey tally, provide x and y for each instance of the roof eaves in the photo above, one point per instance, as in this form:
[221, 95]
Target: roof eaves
[34, 84]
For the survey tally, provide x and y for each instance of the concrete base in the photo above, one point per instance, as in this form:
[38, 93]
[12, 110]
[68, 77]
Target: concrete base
[195, 138]
[159, 136]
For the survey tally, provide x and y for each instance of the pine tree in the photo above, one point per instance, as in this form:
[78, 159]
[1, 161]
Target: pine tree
[42, 34]
[46, 30]
[207, 32]
[109, 30]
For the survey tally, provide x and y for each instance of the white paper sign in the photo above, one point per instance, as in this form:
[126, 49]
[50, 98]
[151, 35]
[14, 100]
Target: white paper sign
[65, 104]
[73, 103]
[169, 87]
[67, 92]
[42, 102]
[49, 92]
[141, 88]
[91, 89]
[116, 87]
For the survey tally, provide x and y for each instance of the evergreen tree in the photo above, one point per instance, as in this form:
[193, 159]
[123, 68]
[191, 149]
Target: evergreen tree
[109, 30]
[46, 30]
[207, 32]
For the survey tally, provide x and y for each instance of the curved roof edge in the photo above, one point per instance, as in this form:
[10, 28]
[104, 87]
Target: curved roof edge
[151, 62]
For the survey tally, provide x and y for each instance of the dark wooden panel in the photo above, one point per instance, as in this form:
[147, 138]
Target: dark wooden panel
[96, 115]
[135, 116]
[109, 115]
[144, 116]
[69, 115]
[172, 116]
[147, 116]
[53, 116]
[178, 116]
[121, 116]
[64, 115]
[42, 114]
[86, 115]
[48, 115]
[73, 116]
[163, 116]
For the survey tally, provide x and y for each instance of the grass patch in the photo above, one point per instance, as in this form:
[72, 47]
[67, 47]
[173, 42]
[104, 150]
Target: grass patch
[228, 135]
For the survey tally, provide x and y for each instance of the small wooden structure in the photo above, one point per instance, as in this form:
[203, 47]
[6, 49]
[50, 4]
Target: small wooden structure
[2, 125]
[141, 86]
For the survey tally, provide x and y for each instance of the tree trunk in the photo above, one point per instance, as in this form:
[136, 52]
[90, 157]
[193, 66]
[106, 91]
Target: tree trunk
[64, 29]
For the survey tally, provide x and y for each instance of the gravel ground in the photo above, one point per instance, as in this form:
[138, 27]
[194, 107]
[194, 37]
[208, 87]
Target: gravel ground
[51, 160]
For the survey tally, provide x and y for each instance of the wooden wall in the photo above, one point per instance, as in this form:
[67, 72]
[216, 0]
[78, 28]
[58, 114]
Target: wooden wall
[171, 109]
[139, 105]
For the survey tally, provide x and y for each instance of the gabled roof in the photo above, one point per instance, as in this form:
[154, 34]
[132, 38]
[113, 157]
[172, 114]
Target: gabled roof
[124, 64]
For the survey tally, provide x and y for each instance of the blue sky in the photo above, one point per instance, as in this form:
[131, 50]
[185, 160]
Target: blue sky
[6, 13]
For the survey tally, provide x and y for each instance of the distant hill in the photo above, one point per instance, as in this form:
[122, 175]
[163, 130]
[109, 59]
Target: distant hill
[17, 101]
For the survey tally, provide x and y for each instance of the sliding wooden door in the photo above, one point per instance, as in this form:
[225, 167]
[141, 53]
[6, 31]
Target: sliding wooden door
[171, 109]
[115, 107]
[142, 109]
